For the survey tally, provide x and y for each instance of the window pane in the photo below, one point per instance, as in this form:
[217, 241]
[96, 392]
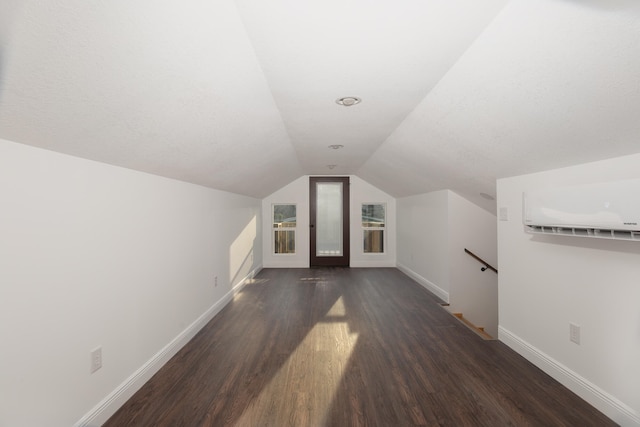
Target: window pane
[284, 216]
[329, 219]
[284, 233]
[285, 241]
[373, 241]
[373, 215]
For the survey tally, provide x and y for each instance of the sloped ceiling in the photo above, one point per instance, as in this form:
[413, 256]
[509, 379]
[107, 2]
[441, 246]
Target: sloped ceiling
[239, 96]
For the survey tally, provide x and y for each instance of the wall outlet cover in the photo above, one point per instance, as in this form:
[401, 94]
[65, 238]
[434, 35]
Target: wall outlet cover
[96, 359]
[574, 333]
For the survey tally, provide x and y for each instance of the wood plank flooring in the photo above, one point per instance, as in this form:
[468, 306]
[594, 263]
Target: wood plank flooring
[347, 347]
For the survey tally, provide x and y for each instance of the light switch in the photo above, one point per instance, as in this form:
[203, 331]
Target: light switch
[504, 214]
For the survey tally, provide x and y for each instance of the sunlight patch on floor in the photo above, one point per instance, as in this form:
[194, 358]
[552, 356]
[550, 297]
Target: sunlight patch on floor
[318, 363]
[338, 309]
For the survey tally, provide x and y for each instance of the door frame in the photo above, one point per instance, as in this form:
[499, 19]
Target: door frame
[334, 261]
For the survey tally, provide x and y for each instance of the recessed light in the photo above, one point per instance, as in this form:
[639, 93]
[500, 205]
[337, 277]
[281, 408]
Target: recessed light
[487, 196]
[348, 101]
[336, 146]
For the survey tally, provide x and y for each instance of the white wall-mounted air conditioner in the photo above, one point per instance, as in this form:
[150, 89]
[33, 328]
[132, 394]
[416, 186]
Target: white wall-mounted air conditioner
[609, 210]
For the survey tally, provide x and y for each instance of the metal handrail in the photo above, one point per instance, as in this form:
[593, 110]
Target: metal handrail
[486, 265]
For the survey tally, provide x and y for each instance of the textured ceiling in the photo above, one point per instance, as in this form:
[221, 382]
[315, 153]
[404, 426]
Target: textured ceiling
[239, 96]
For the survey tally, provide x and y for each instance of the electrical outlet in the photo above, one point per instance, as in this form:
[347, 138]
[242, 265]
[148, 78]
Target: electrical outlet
[215, 281]
[96, 359]
[574, 333]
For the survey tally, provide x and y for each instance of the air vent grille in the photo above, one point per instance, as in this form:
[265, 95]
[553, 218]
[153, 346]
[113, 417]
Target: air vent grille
[585, 232]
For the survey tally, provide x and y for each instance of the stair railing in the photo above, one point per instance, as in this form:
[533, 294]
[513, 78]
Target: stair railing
[486, 264]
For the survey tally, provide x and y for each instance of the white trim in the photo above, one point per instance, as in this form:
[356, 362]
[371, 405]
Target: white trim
[286, 263]
[110, 404]
[373, 263]
[600, 399]
[432, 287]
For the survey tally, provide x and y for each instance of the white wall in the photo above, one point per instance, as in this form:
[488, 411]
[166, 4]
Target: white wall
[96, 255]
[472, 291]
[546, 282]
[423, 240]
[298, 192]
[433, 231]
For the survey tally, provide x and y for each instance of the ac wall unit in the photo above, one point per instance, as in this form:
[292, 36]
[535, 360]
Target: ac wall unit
[609, 210]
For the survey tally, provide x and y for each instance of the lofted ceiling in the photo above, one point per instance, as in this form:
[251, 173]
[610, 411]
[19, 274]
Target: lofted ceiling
[240, 96]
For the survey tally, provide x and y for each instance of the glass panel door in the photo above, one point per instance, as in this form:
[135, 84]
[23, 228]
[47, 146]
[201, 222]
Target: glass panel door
[329, 221]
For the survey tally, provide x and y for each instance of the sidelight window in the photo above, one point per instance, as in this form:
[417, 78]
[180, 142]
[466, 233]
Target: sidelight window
[373, 227]
[284, 228]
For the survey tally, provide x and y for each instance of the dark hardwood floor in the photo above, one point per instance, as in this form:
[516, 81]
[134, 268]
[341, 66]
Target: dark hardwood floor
[347, 347]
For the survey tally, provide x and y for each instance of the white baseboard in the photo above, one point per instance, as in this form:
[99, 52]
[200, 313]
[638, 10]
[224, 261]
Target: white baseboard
[439, 292]
[600, 399]
[110, 404]
[372, 264]
[286, 264]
